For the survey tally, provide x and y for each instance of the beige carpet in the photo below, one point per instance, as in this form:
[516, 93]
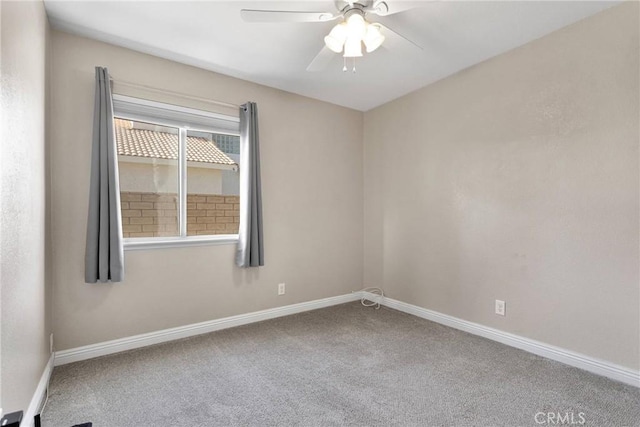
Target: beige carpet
[343, 365]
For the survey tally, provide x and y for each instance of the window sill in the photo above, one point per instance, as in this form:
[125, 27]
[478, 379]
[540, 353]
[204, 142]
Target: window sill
[137, 244]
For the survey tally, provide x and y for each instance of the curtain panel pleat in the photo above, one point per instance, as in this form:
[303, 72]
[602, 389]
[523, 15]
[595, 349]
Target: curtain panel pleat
[250, 252]
[104, 255]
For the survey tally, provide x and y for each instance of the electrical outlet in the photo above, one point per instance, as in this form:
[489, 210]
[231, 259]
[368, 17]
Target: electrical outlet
[51, 343]
[281, 289]
[501, 307]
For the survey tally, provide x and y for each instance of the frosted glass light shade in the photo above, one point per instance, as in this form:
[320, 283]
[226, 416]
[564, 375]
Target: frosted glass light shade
[356, 27]
[336, 38]
[373, 38]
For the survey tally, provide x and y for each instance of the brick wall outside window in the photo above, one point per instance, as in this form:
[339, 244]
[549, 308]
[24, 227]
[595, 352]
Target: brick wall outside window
[156, 215]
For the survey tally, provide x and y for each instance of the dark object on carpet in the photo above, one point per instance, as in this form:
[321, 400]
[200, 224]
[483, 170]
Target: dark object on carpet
[83, 425]
[11, 420]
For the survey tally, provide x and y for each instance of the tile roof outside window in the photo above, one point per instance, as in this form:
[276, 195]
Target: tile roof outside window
[140, 142]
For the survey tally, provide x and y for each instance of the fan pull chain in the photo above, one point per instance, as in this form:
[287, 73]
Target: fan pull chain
[344, 66]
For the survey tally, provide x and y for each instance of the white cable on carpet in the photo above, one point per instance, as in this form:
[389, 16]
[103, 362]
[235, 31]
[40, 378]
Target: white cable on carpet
[369, 303]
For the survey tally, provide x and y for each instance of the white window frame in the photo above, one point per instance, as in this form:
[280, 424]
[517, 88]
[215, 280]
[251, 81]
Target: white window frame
[184, 119]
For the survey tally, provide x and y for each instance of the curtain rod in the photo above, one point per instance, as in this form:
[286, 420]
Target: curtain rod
[169, 92]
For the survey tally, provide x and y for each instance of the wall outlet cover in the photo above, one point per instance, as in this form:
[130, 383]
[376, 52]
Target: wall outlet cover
[501, 307]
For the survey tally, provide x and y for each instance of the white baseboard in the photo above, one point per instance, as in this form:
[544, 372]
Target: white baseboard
[600, 367]
[567, 357]
[38, 395]
[143, 340]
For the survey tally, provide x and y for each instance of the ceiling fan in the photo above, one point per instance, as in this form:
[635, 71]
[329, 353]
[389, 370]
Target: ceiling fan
[348, 36]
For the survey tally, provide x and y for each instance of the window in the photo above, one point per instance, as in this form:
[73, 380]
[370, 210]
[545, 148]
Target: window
[179, 174]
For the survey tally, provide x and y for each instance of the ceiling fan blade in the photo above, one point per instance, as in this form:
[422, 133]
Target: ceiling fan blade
[395, 37]
[250, 15]
[322, 60]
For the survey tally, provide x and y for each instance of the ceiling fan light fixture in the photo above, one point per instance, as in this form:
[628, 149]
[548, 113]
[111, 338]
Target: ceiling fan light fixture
[352, 48]
[349, 35]
[373, 38]
[336, 38]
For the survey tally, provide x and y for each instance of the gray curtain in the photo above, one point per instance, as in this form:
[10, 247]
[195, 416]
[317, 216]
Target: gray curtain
[104, 255]
[250, 251]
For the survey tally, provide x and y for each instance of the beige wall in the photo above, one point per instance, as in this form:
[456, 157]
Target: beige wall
[24, 325]
[313, 221]
[517, 179]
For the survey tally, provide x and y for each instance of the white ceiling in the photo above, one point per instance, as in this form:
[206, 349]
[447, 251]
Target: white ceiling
[211, 35]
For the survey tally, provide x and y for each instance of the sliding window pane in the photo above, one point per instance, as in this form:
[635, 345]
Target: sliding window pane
[148, 164]
[213, 203]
